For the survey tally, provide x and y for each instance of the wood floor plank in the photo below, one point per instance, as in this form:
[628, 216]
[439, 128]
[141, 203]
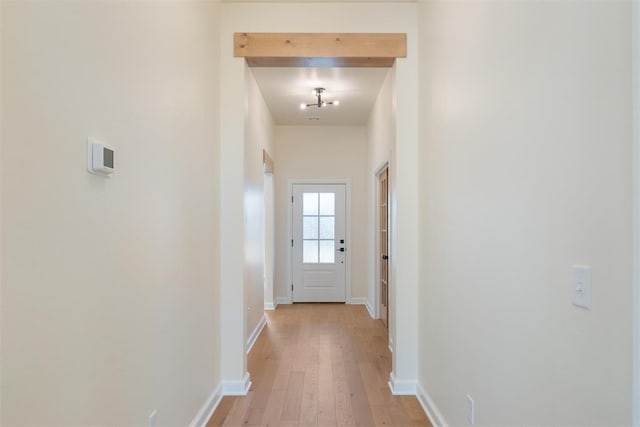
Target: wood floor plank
[309, 402]
[381, 415]
[326, 403]
[412, 408]
[342, 397]
[275, 403]
[371, 380]
[323, 365]
[221, 412]
[254, 417]
[238, 412]
[262, 386]
[291, 408]
[344, 410]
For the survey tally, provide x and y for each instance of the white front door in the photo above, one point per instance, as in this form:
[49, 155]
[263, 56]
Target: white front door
[319, 245]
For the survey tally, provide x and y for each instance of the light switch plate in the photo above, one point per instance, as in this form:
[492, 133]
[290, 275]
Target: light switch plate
[581, 286]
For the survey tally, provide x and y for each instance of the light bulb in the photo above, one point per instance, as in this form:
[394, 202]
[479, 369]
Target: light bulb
[303, 106]
[324, 103]
[336, 102]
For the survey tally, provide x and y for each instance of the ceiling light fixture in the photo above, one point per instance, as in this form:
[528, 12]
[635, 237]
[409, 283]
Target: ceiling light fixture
[317, 92]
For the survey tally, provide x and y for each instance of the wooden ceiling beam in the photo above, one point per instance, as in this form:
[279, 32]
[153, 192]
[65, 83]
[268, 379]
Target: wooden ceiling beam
[320, 49]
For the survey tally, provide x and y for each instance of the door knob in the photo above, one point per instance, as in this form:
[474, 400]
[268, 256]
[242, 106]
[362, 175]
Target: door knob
[385, 257]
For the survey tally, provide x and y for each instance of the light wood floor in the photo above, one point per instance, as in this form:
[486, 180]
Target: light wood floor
[320, 365]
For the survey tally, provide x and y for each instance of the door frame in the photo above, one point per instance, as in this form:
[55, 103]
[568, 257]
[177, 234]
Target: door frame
[347, 223]
[378, 250]
[635, 63]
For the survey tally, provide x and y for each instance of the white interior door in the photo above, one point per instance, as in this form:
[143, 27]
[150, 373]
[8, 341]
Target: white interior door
[318, 252]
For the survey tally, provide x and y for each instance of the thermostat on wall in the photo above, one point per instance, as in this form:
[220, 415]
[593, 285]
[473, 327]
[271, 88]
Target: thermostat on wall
[100, 157]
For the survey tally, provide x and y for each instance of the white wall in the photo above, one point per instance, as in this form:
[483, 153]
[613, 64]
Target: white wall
[380, 142]
[1, 191]
[109, 286]
[322, 152]
[259, 136]
[269, 239]
[635, 47]
[525, 170]
[312, 17]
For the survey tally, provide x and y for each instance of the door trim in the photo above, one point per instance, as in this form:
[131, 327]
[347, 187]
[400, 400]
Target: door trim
[377, 254]
[319, 181]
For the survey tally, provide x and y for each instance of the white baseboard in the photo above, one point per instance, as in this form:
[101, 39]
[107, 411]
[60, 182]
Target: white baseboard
[402, 387]
[283, 300]
[270, 305]
[256, 333]
[363, 301]
[390, 348]
[430, 408]
[370, 310]
[238, 387]
[207, 410]
[357, 300]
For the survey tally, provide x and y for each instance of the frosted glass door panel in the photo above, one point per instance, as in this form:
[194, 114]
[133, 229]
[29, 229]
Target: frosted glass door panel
[310, 251]
[327, 204]
[327, 227]
[310, 204]
[327, 251]
[310, 230]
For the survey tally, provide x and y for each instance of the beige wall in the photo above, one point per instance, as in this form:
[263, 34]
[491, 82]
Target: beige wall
[526, 152]
[109, 286]
[322, 152]
[259, 135]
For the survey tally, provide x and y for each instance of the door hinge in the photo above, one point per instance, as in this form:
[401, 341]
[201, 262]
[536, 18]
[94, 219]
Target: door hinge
[291, 199]
[292, 287]
[291, 242]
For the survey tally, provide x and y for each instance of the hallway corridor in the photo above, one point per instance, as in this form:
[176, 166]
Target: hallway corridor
[320, 365]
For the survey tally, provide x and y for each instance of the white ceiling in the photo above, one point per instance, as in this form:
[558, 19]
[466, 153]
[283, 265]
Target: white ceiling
[284, 89]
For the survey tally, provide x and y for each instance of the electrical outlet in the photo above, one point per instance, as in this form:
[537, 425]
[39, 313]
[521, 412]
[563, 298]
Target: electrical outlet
[471, 416]
[153, 418]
